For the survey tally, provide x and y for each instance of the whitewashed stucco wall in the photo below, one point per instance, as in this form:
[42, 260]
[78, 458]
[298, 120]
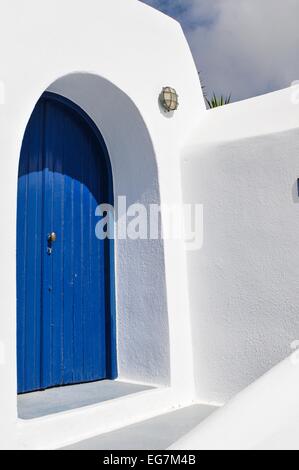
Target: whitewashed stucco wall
[221, 315]
[242, 164]
[134, 49]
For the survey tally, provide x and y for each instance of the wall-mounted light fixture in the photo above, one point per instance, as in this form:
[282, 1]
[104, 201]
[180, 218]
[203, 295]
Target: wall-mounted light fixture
[169, 99]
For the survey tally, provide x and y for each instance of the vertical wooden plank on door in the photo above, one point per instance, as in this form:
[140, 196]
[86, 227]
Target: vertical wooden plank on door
[56, 139]
[68, 257]
[46, 259]
[100, 283]
[28, 254]
[76, 169]
[94, 183]
[87, 333]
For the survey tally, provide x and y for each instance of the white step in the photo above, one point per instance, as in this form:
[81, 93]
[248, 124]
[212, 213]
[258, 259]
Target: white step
[154, 434]
[60, 399]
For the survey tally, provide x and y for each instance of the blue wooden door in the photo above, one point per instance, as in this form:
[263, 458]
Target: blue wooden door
[64, 301]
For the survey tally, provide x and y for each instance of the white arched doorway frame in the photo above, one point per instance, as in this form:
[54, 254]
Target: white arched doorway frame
[141, 305]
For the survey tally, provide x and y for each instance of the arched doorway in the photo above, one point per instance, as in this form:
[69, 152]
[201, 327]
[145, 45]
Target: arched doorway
[65, 275]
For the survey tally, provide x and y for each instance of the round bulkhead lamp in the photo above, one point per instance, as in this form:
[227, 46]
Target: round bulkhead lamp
[169, 99]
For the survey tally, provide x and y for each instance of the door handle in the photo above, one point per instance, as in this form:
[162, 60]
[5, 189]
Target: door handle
[51, 239]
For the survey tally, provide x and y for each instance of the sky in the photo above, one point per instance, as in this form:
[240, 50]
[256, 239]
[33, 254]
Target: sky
[241, 47]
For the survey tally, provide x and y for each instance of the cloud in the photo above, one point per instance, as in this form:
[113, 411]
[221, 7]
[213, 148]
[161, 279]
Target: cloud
[243, 47]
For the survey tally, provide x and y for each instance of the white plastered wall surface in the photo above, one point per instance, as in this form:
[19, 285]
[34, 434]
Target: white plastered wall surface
[241, 162]
[130, 51]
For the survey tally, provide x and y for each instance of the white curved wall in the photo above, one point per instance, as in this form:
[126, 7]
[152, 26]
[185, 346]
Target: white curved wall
[264, 416]
[242, 164]
[139, 51]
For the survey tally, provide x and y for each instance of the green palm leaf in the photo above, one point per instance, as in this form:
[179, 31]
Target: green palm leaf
[217, 101]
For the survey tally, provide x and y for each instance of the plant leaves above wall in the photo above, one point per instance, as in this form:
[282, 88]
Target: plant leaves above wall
[217, 101]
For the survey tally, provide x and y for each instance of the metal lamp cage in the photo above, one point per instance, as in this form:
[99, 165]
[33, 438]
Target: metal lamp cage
[169, 99]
